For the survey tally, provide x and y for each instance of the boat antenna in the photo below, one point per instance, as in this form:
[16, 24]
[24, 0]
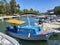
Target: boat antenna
[28, 21]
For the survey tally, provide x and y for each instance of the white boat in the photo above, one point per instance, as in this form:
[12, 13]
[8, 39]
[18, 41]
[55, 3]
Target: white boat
[50, 25]
[7, 40]
[56, 31]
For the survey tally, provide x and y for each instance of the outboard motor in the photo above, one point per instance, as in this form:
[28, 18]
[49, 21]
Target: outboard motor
[29, 35]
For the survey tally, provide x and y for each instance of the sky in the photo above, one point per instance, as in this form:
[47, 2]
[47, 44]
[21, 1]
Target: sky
[40, 5]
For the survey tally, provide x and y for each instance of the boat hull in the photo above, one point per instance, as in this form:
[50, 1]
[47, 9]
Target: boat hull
[32, 37]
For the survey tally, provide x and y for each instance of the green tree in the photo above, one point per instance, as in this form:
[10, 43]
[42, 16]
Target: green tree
[8, 9]
[25, 11]
[13, 6]
[18, 9]
[31, 10]
[2, 8]
[6, 6]
[34, 11]
[57, 10]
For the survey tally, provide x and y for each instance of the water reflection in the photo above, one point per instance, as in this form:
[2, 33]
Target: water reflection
[32, 42]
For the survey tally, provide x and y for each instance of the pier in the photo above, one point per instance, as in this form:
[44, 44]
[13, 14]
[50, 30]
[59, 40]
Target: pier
[2, 18]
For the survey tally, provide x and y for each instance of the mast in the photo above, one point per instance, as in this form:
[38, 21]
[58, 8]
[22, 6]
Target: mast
[28, 21]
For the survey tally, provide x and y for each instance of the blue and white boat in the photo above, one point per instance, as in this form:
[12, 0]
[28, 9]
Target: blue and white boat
[29, 32]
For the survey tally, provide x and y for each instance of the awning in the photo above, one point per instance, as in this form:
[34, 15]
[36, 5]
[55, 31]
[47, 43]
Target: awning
[14, 21]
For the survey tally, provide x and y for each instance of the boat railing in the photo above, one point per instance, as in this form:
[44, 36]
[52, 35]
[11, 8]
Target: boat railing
[11, 40]
[2, 40]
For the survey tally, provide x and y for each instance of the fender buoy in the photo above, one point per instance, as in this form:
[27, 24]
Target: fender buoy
[29, 35]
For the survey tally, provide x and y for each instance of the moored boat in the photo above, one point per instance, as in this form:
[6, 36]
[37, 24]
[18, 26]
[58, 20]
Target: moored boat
[28, 32]
[7, 40]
